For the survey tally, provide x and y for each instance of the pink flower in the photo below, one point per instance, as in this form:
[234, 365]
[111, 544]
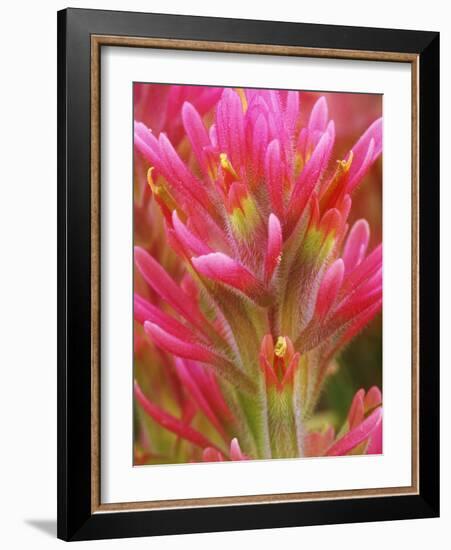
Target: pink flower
[362, 431]
[235, 453]
[275, 282]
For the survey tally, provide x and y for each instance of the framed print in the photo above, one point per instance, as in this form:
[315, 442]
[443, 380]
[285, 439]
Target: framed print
[248, 274]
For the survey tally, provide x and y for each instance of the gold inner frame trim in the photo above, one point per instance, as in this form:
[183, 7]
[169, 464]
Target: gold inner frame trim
[97, 41]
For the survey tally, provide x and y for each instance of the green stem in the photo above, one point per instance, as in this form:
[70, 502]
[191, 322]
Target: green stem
[282, 423]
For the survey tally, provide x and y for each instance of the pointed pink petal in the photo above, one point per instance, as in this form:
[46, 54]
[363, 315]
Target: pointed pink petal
[190, 384]
[310, 176]
[189, 241]
[259, 145]
[375, 441]
[314, 212]
[331, 223]
[368, 267]
[359, 322]
[205, 379]
[373, 282]
[145, 311]
[274, 246]
[357, 302]
[316, 443]
[344, 207]
[196, 132]
[274, 176]
[222, 268]
[215, 397]
[189, 287]
[317, 124]
[235, 451]
[147, 144]
[319, 116]
[329, 289]
[187, 349]
[373, 398]
[230, 128]
[206, 99]
[177, 171]
[238, 193]
[213, 135]
[142, 131]
[363, 169]
[162, 283]
[182, 348]
[291, 112]
[302, 142]
[356, 436]
[366, 286]
[271, 98]
[365, 152]
[268, 371]
[356, 245]
[289, 373]
[357, 411]
[162, 156]
[173, 241]
[177, 94]
[267, 346]
[212, 455]
[171, 423]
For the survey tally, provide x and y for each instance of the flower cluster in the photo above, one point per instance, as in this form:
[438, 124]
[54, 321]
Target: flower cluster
[254, 282]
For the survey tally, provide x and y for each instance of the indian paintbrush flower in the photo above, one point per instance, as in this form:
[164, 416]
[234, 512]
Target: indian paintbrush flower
[274, 281]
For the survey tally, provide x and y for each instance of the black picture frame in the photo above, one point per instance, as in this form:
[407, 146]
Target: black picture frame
[76, 520]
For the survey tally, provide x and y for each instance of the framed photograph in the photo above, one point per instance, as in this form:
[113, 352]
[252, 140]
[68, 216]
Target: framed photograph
[248, 253]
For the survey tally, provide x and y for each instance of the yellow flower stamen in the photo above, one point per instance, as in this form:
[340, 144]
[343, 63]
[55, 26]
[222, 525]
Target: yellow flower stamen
[346, 164]
[242, 95]
[281, 346]
[227, 165]
[343, 167]
[150, 181]
[160, 191]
